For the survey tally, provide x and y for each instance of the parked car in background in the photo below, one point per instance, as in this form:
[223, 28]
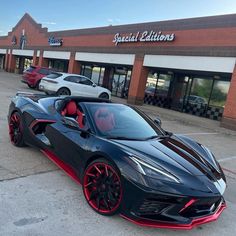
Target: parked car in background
[33, 75]
[72, 84]
[150, 91]
[194, 100]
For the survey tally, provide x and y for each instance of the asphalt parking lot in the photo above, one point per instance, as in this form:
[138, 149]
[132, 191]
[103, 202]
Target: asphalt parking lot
[36, 198]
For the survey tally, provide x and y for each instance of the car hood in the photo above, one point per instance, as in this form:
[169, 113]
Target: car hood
[180, 155]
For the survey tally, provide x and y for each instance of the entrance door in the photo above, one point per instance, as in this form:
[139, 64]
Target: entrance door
[119, 83]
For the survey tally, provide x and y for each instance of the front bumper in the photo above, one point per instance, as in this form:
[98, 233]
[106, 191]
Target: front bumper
[146, 207]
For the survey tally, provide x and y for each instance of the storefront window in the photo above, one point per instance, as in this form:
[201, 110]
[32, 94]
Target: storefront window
[200, 91]
[219, 93]
[97, 75]
[158, 84]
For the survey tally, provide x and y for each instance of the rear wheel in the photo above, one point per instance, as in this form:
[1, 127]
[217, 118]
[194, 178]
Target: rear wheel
[102, 187]
[37, 85]
[104, 96]
[63, 91]
[16, 130]
[30, 86]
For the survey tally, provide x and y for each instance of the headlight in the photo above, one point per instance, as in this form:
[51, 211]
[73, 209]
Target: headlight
[153, 172]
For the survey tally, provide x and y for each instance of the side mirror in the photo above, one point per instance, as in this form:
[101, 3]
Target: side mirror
[70, 122]
[94, 85]
[157, 121]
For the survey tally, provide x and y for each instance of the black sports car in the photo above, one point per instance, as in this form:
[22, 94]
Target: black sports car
[125, 161]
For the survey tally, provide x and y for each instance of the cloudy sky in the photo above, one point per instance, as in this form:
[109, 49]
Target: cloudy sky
[76, 14]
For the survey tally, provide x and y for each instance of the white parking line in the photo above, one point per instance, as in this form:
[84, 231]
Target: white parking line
[199, 133]
[226, 159]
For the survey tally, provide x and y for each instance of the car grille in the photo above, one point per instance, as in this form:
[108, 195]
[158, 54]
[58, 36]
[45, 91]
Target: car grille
[203, 206]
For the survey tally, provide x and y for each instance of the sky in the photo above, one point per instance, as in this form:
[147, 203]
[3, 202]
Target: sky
[77, 14]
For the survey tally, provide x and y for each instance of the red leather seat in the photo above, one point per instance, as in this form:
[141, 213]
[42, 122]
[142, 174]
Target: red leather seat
[72, 110]
[104, 119]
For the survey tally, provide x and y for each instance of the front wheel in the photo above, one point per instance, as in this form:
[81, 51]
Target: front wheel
[102, 187]
[16, 130]
[104, 96]
[63, 91]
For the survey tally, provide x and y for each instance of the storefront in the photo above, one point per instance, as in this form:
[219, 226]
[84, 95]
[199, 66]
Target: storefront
[187, 65]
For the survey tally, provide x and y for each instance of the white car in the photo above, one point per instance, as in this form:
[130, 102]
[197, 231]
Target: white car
[72, 84]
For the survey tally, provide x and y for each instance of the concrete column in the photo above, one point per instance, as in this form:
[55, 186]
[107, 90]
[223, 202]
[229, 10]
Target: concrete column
[11, 63]
[107, 78]
[35, 58]
[74, 66]
[229, 115]
[6, 61]
[42, 61]
[138, 81]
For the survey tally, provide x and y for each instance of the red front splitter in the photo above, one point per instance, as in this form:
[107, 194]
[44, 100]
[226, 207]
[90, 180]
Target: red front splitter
[194, 223]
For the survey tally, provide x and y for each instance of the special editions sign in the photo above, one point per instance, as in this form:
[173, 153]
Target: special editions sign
[55, 42]
[146, 36]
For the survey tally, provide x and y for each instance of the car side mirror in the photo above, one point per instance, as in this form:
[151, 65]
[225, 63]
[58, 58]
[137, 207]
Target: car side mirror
[94, 85]
[70, 122]
[157, 121]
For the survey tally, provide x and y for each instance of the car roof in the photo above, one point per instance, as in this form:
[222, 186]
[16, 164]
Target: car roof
[68, 74]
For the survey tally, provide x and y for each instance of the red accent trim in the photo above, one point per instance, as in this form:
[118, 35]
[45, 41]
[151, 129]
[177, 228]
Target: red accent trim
[189, 203]
[62, 165]
[194, 223]
[35, 122]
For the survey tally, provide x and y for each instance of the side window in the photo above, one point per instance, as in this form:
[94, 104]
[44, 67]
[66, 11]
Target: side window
[85, 81]
[73, 79]
[44, 71]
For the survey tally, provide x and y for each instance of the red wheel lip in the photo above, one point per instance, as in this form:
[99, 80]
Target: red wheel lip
[10, 128]
[87, 196]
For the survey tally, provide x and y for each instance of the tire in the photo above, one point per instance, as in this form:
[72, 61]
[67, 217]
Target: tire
[63, 91]
[104, 96]
[30, 86]
[102, 187]
[16, 130]
[37, 85]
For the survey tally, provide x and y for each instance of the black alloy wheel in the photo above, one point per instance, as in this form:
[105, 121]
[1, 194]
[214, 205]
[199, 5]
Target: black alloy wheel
[16, 130]
[102, 187]
[63, 91]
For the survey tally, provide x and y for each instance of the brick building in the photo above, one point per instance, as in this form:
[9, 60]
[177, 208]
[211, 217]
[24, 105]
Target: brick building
[186, 65]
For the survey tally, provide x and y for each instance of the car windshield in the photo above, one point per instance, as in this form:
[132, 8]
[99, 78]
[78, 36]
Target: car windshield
[118, 121]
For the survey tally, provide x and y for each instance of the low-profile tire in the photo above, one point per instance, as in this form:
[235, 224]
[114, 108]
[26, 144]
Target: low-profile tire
[104, 96]
[102, 187]
[16, 130]
[63, 91]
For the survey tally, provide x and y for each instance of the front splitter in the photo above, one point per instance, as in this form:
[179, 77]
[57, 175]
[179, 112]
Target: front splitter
[194, 223]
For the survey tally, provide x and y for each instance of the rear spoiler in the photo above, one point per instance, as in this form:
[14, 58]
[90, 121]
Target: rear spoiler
[30, 95]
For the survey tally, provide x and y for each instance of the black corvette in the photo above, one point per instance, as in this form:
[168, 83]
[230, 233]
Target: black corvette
[125, 161]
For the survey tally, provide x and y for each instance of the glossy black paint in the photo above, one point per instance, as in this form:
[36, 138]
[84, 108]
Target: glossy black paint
[200, 175]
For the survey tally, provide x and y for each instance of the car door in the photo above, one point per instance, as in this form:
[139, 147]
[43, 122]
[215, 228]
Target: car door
[73, 83]
[89, 88]
[67, 142]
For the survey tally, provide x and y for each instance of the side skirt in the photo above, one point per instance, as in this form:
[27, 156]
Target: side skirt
[62, 165]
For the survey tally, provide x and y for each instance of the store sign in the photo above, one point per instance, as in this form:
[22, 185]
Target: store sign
[55, 42]
[146, 36]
